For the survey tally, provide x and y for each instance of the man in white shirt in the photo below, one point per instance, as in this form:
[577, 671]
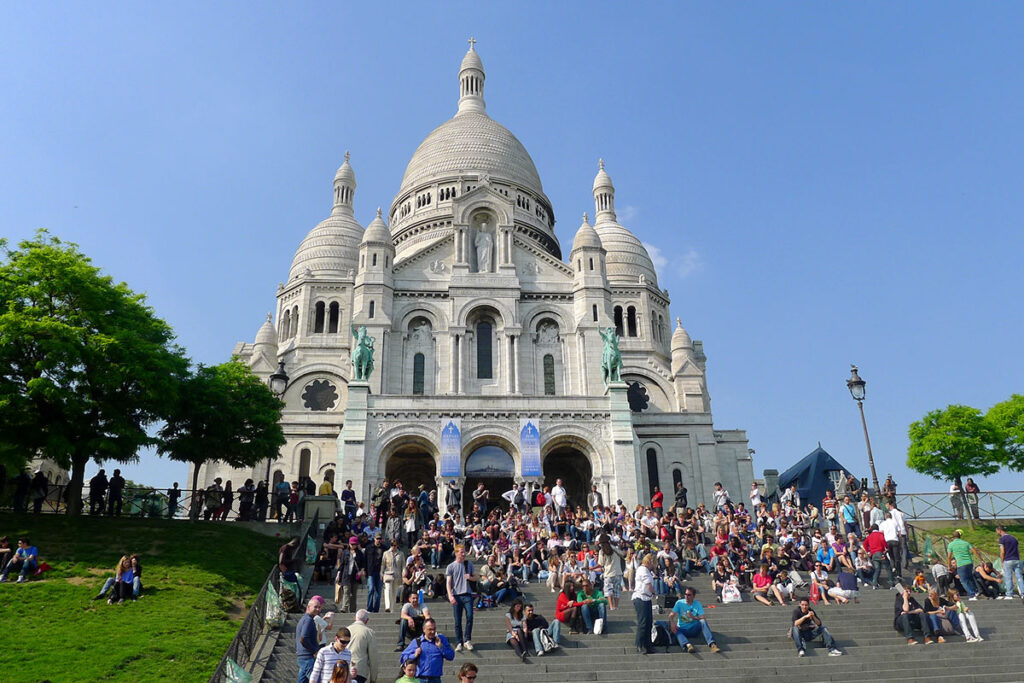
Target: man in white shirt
[755, 496]
[791, 496]
[721, 495]
[901, 527]
[558, 494]
[891, 532]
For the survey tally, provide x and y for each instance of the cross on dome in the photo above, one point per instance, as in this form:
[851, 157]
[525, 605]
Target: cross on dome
[472, 43]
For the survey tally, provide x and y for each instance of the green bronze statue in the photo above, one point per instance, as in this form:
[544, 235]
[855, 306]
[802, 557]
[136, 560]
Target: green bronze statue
[362, 354]
[611, 359]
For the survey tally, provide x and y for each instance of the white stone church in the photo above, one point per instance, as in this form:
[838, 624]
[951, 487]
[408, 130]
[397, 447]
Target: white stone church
[479, 319]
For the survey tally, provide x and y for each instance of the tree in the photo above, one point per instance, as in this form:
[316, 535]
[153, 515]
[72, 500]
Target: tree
[85, 365]
[224, 412]
[1008, 417]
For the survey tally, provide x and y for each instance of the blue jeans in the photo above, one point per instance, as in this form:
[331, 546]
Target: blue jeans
[26, 568]
[593, 612]
[644, 620]
[693, 628]
[109, 583]
[463, 603]
[966, 574]
[953, 617]
[876, 561]
[1011, 568]
[501, 595]
[801, 637]
[373, 584]
[554, 630]
[305, 668]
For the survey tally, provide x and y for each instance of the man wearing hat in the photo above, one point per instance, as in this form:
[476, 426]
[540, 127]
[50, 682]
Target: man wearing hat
[351, 567]
[374, 559]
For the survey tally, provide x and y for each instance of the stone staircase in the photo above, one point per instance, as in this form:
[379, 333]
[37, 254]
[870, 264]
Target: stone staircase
[754, 639]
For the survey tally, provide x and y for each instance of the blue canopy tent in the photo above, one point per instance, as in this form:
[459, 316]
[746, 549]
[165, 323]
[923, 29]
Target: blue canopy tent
[816, 473]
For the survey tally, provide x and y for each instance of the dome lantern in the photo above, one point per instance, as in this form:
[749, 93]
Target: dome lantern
[471, 81]
[344, 187]
[604, 195]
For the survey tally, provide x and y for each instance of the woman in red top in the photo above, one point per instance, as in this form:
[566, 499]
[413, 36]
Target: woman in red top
[567, 609]
[657, 502]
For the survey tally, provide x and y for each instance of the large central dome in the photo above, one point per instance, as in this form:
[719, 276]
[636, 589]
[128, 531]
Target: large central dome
[472, 142]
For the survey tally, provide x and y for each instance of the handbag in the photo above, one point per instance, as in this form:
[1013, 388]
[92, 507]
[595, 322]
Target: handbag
[546, 641]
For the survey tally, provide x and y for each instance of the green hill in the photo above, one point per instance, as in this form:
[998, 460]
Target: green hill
[198, 579]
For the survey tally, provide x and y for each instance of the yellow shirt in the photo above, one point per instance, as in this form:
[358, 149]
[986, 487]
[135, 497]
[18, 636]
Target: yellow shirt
[326, 489]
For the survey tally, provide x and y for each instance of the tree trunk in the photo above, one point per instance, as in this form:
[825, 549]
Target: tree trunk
[75, 484]
[193, 512]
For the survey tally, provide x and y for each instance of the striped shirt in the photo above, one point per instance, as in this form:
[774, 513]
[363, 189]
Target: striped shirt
[326, 659]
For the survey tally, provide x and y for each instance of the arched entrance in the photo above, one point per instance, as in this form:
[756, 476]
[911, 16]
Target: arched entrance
[493, 466]
[414, 466]
[573, 468]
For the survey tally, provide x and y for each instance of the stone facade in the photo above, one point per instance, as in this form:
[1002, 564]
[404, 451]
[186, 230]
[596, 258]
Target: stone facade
[476, 315]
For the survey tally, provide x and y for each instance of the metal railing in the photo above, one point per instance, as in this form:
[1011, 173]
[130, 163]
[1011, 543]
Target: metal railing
[962, 506]
[254, 625]
[940, 545]
[153, 503]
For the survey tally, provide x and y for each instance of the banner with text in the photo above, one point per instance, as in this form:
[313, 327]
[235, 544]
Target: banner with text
[451, 447]
[529, 447]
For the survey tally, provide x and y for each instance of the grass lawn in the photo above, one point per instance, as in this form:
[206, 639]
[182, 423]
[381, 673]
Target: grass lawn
[198, 579]
[983, 536]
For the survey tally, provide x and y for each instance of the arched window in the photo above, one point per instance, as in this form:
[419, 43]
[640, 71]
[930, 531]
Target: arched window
[371, 309]
[591, 263]
[549, 375]
[595, 313]
[332, 317]
[295, 321]
[652, 469]
[483, 351]
[318, 317]
[618, 321]
[374, 260]
[654, 330]
[677, 477]
[304, 457]
[286, 321]
[418, 362]
[579, 265]
[631, 321]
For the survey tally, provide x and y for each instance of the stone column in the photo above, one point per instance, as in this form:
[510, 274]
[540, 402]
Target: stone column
[515, 363]
[453, 368]
[628, 473]
[352, 439]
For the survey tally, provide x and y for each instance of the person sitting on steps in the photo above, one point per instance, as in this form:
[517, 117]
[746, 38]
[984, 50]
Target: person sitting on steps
[908, 616]
[690, 621]
[537, 627]
[808, 627]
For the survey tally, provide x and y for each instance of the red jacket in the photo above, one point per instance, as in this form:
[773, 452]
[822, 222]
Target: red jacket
[656, 499]
[563, 604]
[875, 543]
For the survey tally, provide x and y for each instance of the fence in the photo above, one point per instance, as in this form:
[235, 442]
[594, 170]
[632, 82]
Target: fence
[254, 625]
[979, 506]
[150, 502]
[920, 539]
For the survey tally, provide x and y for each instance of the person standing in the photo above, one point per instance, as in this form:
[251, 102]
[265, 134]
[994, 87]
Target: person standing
[374, 560]
[116, 499]
[755, 496]
[962, 551]
[658, 502]
[351, 564]
[173, 494]
[391, 566]
[956, 498]
[246, 497]
[429, 652]
[480, 496]
[890, 530]
[901, 529]
[40, 489]
[1009, 555]
[643, 595]
[971, 491]
[458, 576]
[452, 497]
[97, 490]
[329, 656]
[306, 643]
[808, 627]
[594, 499]
[721, 496]
[363, 646]
[680, 497]
[559, 497]
[348, 499]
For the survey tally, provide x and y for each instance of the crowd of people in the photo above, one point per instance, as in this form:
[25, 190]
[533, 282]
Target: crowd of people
[411, 549]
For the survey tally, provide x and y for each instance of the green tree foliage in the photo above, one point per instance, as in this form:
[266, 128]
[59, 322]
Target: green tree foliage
[1008, 416]
[224, 412]
[956, 442]
[85, 365]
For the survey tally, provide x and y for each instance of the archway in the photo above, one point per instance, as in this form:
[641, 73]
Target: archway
[493, 466]
[414, 466]
[573, 467]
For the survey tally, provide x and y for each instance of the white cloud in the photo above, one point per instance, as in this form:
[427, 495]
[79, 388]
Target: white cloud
[683, 266]
[626, 213]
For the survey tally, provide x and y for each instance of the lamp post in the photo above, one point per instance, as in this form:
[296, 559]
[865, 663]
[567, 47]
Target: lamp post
[278, 383]
[856, 386]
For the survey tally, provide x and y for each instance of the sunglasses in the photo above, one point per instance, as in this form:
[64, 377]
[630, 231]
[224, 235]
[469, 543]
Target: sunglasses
[470, 677]
[343, 642]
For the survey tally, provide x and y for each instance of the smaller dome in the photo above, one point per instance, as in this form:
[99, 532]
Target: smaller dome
[586, 237]
[330, 248]
[680, 339]
[345, 173]
[377, 230]
[602, 179]
[267, 335]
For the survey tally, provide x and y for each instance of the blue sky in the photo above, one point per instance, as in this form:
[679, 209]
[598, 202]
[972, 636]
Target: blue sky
[822, 183]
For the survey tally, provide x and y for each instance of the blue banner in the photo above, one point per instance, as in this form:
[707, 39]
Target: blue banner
[451, 447]
[529, 447]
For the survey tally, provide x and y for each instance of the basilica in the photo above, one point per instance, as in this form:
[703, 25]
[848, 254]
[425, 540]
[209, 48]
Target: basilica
[484, 339]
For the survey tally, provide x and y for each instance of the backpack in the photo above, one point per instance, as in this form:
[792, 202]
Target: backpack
[288, 600]
[660, 633]
[518, 499]
[546, 641]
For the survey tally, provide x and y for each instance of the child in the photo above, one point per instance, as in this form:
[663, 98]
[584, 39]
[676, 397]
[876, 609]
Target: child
[409, 673]
[967, 621]
[920, 583]
[941, 574]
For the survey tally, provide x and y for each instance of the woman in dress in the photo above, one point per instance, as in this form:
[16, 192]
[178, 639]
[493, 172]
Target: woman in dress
[514, 637]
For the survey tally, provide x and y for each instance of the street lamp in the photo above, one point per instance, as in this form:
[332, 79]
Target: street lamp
[856, 386]
[278, 383]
